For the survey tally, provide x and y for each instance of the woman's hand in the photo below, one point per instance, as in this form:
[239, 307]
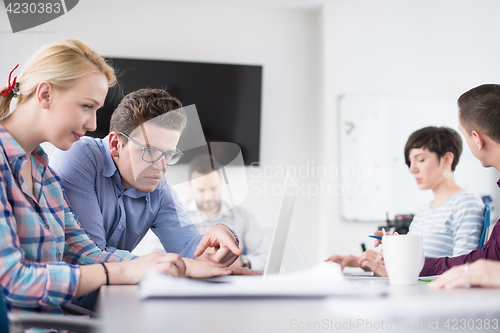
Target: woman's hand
[374, 261]
[379, 233]
[348, 260]
[205, 269]
[133, 271]
[368, 260]
[128, 272]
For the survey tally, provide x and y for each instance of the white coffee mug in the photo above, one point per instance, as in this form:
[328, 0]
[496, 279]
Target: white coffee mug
[403, 258]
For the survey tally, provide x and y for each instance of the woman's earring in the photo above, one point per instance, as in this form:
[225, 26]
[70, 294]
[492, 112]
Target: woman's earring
[447, 174]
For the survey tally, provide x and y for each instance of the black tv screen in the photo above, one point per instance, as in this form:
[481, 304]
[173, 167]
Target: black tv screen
[227, 97]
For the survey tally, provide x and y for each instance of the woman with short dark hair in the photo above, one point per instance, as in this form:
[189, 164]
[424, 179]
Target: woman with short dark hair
[452, 223]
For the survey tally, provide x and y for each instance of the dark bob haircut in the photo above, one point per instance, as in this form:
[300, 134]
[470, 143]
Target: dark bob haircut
[439, 140]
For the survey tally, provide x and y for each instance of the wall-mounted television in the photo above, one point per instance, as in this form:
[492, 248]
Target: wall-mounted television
[227, 97]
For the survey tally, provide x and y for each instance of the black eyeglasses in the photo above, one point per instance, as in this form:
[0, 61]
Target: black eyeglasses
[151, 155]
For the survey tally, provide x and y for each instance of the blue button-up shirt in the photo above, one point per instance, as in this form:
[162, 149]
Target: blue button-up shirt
[114, 217]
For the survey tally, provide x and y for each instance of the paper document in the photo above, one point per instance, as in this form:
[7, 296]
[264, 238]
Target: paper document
[323, 280]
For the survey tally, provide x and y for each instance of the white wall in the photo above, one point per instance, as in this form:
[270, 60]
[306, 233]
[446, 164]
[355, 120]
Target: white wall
[418, 49]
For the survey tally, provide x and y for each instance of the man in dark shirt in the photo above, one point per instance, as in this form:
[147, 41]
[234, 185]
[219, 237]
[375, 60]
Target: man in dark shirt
[479, 121]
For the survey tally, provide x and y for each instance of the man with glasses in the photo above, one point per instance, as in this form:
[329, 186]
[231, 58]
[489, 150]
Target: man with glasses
[117, 189]
[151, 155]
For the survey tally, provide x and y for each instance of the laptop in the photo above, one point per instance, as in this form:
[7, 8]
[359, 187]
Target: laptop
[280, 233]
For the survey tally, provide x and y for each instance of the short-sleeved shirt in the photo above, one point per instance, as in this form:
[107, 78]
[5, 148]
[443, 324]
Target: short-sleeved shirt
[451, 229]
[41, 242]
[115, 217]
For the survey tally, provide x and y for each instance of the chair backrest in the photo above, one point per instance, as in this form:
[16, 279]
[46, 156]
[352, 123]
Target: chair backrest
[20, 322]
[4, 321]
[486, 225]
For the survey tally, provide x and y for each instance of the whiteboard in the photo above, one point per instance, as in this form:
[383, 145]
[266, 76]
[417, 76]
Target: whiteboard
[375, 179]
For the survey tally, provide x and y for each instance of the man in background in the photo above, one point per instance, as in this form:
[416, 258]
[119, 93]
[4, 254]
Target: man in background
[206, 209]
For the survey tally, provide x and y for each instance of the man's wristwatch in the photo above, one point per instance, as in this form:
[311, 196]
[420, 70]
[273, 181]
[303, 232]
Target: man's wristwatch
[234, 234]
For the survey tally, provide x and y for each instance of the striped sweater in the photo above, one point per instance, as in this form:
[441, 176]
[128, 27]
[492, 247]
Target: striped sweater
[453, 228]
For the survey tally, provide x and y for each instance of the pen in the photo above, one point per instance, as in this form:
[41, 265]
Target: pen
[383, 233]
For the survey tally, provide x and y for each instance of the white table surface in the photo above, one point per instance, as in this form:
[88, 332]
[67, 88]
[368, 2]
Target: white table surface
[414, 308]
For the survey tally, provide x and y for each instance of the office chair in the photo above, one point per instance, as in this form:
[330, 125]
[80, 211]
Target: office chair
[485, 235]
[4, 321]
[19, 322]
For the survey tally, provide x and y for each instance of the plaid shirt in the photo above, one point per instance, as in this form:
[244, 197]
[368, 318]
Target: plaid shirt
[41, 241]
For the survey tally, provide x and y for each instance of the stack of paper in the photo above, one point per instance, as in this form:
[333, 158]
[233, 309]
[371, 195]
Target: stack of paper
[323, 280]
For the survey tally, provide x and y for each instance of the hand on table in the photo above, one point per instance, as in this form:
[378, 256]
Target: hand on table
[344, 261]
[205, 269]
[373, 261]
[481, 273]
[134, 270]
[369, 261]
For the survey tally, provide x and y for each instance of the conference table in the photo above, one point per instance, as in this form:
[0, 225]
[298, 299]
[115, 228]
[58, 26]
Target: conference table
[413, 308]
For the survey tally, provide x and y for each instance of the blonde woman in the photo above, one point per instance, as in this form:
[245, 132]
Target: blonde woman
[46, 257]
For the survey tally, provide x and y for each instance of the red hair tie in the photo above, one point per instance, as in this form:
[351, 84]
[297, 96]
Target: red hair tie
[10, 87]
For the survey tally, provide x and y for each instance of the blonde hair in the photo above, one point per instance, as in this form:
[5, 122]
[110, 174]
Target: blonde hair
[61, 63]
